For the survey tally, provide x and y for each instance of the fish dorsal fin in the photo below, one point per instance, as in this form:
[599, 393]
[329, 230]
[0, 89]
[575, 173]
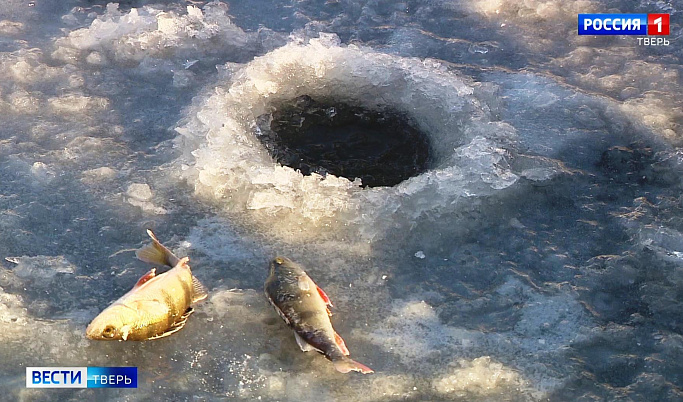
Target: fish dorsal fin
[146, 278]
[303, 283]
[183, 263]
[156, 253]
[199, 291]
[340, 342]
[177, 326]
[324, 296]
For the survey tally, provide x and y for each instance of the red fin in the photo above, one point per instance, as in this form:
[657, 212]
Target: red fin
[329, 313]
[146, 277]
[345, 365]
[324, 296]
[340, 342]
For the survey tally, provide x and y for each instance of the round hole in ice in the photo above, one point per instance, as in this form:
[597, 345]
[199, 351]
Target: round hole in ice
[225, 161]
[380, 147]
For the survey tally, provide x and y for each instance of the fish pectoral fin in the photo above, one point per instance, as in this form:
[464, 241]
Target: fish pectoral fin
[305, 346]
[156, 253]
[146, 277]
[177, 326]
[303, 282]
[279, 312]
[340, 342]
[125, 332]
[324, 296]
[199, 292]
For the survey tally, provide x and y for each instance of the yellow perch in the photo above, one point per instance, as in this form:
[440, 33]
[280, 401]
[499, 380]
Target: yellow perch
[157, 306]
[305, 308]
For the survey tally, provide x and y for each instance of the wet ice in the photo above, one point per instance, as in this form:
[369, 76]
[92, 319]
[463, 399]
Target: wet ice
[540, 257]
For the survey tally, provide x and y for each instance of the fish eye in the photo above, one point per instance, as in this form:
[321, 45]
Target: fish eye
[109, 331]
[279, 261]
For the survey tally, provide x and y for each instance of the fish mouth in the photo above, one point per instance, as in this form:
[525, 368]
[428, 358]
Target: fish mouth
[89, 333]
[92, 336]
[96, 332]
[276, 263]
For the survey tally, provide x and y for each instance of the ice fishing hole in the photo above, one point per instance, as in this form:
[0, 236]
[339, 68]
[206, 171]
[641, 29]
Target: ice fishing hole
[382, 148]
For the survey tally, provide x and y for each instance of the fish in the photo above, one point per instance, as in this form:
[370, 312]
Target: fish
[157, 306]
[306, 309]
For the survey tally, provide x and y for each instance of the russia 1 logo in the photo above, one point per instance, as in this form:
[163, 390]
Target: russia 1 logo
[658, 24]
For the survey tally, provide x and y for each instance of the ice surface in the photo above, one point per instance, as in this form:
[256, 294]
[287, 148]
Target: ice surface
[540, 257]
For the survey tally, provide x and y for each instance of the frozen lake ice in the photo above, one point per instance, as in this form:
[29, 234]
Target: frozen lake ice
[538, 257]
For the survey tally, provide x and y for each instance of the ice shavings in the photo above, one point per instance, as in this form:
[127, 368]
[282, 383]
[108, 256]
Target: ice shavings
[609, 66]
[479, 377]
[41, 341]
[45, 94]
[644, 86]
[232, 169]
[151, 33]
[11, 309]
[12, 28]
[540, 22]
[414, 332]
[74, 103]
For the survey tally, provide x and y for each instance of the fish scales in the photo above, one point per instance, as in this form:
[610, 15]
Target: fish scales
[157, 306]
[304, 307]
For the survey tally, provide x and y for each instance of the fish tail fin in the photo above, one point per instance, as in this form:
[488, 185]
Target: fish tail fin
[340, 342]
[345, 364]
[156, 253]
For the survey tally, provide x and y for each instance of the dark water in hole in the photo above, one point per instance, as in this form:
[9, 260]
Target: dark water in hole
[380, 147]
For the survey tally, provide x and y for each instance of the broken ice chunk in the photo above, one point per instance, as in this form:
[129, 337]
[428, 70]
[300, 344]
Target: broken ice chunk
[474, 48]
[139, 191]
[189, 63]
[42, 172]
[41, 266]
[97, 175]
[140, 195]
